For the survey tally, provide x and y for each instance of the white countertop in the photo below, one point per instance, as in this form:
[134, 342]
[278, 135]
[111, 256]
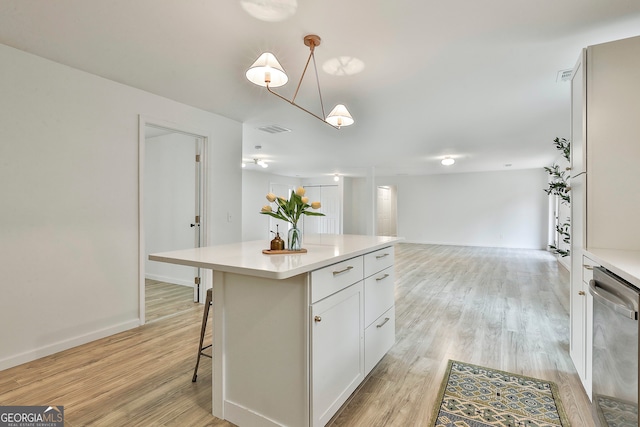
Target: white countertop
[625, 264]
[247, 257]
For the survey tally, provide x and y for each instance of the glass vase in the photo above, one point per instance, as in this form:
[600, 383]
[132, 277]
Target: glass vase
[294, 239]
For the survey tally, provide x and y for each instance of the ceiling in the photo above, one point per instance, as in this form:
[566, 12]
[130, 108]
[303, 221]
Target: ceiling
[472, 80]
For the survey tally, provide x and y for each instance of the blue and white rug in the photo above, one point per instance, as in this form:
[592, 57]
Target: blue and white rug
[474, 396]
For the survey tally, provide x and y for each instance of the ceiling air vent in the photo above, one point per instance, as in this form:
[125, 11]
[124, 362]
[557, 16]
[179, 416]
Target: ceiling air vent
[564, 75]
[274, 129]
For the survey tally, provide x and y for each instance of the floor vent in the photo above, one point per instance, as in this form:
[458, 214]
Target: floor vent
[274, 129]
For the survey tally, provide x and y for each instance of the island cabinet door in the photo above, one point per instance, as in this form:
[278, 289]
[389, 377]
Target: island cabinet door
[337, 351]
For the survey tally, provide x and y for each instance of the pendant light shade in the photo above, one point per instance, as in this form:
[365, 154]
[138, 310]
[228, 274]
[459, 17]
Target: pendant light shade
[267, 70]
[339, 116]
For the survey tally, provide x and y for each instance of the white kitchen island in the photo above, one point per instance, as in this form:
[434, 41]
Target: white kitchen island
[294, 335]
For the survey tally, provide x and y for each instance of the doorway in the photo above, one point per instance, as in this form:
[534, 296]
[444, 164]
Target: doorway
[171, 213]
[386, 211]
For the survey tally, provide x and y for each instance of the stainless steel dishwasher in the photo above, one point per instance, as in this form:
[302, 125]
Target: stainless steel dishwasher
[615, 350]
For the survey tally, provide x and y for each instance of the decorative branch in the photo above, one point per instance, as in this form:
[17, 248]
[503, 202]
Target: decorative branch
[559, 186]
[563, 144]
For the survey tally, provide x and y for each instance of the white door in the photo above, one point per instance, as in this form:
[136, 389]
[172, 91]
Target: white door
[172, 203]
[329, 198]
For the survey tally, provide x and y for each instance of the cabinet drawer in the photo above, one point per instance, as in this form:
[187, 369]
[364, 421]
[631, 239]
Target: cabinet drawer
[379, 294]
[333, 278]
[379, 337]
[378, 261]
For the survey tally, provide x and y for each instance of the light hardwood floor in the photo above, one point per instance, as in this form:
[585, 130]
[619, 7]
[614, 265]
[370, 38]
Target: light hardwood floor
[166, 299]
[502, 308]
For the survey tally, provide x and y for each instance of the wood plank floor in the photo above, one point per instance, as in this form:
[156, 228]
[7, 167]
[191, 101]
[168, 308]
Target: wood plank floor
[166, 299]
[502, 308]
[506, 309]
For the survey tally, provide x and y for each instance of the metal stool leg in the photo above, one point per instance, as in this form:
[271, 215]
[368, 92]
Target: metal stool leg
[205, 317]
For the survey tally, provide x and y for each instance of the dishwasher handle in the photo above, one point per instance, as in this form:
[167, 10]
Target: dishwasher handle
[612, 301]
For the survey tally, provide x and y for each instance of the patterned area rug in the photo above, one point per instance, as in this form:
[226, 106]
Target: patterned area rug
[473, 396]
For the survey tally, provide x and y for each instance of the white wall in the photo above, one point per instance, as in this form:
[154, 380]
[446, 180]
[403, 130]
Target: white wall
[69, 213]
[499, 209]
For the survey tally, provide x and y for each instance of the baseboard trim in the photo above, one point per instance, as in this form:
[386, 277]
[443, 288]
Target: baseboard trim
[31, 355]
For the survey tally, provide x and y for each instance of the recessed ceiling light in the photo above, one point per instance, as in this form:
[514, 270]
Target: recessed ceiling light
[447, 161]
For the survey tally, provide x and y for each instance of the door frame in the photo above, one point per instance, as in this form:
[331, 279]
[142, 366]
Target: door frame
[143, 121]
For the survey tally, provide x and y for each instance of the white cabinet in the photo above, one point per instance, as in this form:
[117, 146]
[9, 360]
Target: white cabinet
[380, 327]
[612, 148]
[329, 280]
[587, 275]
[337, 353]
[578, 292]
[582, 322]
[605, 106]
[352, 327]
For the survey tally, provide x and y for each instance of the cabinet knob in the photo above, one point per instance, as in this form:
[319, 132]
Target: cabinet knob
[581, 293]
[317, 319]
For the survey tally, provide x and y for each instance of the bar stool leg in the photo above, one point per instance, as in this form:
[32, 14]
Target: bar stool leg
[205, 317]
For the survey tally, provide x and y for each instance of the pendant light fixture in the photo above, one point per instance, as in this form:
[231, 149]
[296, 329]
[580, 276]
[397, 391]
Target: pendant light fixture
[266, 71]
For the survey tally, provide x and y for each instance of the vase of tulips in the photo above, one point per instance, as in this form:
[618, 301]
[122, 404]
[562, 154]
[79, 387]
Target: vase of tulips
[291, 210]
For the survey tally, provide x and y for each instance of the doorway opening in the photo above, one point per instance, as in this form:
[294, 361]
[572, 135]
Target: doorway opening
[172, 181]
[387, 211]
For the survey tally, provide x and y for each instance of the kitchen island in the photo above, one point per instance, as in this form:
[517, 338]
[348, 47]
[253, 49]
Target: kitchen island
[294, 335]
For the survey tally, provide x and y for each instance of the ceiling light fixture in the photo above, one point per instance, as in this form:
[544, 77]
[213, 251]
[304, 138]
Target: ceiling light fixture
[258, 162]
[447, 161]
[266, 71]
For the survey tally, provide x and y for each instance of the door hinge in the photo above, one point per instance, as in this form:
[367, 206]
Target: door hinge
[196, 280]
[197, 158]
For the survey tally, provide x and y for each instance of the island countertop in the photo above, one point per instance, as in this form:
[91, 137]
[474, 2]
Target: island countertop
[247, 257]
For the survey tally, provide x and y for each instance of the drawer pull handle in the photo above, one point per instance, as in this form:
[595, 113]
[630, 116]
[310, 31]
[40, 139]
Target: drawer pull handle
[381, 256]
[588, 267]
[581, 293]
[335, 273]
[382, 278]
[386, 319]
[317, 319]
